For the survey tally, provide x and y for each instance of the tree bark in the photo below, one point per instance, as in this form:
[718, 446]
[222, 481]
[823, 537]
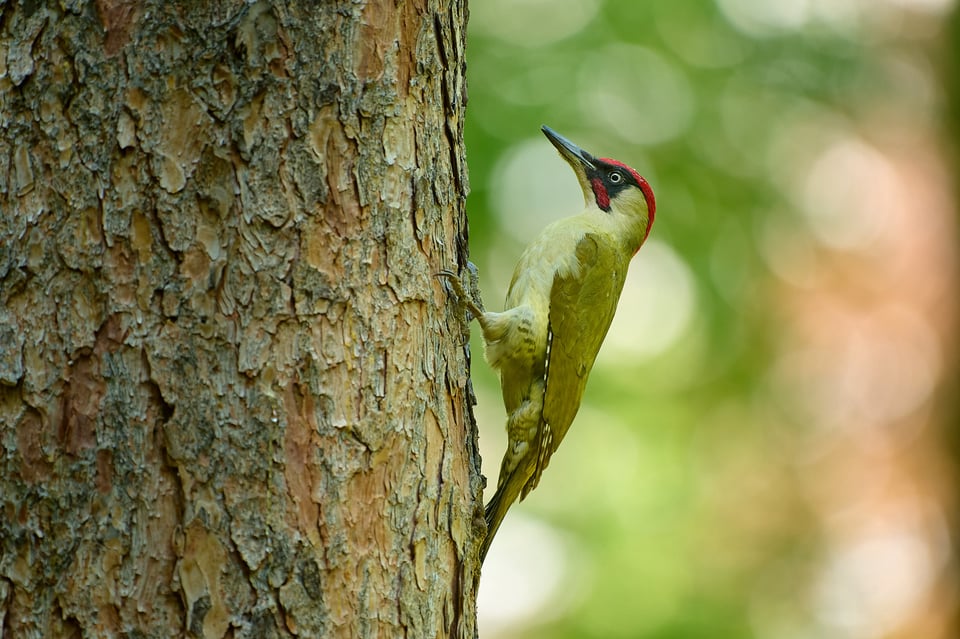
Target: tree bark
[233, 396]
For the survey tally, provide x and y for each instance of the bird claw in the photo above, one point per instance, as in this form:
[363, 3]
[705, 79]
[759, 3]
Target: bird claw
[455, 284]
[452, 280]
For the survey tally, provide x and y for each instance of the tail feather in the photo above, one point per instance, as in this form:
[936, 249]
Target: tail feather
[496, 509]
[494, 513]
[519, 469]
[493, 522]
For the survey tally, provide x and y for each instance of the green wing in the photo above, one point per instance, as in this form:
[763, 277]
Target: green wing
[581, 309]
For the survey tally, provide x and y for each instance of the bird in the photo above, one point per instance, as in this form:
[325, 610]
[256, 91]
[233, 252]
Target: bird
[559, 306]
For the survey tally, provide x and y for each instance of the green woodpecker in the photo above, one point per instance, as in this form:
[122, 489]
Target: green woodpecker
[559, 306]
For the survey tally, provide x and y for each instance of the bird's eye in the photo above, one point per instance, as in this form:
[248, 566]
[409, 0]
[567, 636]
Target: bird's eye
[616, 177]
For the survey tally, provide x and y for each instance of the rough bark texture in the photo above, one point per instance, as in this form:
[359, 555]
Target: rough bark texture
[233, 396]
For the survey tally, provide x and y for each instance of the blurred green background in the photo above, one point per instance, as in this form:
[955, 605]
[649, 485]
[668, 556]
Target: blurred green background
[766, 448]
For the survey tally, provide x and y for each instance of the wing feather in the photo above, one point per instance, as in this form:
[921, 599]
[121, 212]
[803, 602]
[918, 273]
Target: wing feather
[582, 305]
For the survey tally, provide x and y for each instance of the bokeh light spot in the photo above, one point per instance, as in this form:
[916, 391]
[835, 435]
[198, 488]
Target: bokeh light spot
[533, 23]
[531, 187]
[851, 193]
[656, 306]
[870, 585]
[637, 93]
[521, 575]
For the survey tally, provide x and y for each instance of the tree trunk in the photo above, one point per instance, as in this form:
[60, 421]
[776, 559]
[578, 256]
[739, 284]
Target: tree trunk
[233, 396]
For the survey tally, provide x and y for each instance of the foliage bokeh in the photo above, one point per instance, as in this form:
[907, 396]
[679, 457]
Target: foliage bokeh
[760, 451]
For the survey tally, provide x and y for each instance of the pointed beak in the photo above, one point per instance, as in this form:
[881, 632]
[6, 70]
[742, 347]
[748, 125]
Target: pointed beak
[577, 157]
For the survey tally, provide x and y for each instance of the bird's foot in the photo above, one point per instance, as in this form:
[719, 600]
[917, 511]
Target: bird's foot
[455, 285]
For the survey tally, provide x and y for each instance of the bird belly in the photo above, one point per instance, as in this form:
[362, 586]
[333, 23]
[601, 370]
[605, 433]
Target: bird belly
[515, 345]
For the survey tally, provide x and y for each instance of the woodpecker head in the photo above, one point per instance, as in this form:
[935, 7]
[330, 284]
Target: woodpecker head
[608, 183]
